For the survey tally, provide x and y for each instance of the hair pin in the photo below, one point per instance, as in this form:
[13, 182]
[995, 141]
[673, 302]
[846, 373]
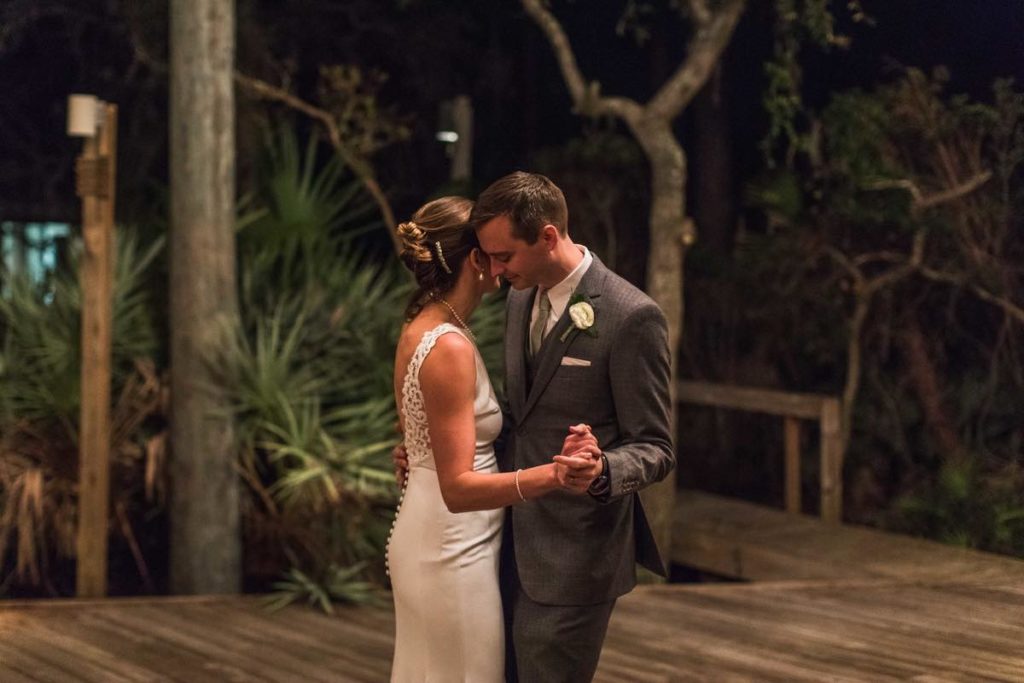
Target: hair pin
[440, 257]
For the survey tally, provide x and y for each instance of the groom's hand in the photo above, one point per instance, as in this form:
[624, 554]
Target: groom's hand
[400, 460]
[580, 459]
[580, 438]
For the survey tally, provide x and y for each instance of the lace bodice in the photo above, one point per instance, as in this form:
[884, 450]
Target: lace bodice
[417, 438]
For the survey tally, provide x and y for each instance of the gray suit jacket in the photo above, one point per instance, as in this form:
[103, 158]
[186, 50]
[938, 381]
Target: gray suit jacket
[576, 550]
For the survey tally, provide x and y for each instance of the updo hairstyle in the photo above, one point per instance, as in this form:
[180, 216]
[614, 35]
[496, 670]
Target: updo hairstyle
[435, 245]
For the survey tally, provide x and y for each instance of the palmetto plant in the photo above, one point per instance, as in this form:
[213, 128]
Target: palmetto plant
[311, 373]
[39, 412]
[968, 507]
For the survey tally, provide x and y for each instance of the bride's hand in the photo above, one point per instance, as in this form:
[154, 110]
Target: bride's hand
[567, 478]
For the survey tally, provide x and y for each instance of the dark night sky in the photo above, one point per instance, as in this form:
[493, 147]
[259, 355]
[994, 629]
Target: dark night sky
[978, 40]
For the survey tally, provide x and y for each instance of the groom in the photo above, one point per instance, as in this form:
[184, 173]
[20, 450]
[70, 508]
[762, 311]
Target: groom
[582, 347]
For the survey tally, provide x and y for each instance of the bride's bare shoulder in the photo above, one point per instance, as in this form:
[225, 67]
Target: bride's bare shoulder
[450, 366]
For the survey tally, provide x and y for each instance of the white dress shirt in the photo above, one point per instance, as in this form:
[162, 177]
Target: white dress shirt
[560, 294]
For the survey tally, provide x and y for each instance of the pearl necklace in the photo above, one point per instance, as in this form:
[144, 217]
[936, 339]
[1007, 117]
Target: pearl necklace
[458, 319]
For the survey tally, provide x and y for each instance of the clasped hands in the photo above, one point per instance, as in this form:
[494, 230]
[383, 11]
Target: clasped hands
[576, 467]
[580, 461]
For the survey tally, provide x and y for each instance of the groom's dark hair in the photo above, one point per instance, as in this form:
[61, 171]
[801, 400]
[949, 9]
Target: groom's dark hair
[530, 200]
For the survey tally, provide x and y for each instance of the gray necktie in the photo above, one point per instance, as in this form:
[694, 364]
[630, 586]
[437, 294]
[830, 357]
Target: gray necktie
[537, 331]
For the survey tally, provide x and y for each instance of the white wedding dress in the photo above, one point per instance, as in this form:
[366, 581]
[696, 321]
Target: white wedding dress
[444, 566]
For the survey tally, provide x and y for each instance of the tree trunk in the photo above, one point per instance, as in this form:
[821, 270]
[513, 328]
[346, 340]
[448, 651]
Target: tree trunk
[205, 539]
[671, 232]
[925, 380]
[714, 205]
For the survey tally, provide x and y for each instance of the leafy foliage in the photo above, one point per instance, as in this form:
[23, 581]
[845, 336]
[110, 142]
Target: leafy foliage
[39, 412]
[964, 506]
[800, 24]
[891, 236]
[311, 376]
[342, 585]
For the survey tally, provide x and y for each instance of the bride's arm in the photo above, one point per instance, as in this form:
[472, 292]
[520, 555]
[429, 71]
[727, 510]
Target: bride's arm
[448, 383]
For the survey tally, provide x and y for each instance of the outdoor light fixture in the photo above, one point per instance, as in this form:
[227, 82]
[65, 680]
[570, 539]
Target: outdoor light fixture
[85, 115]
[455, 130]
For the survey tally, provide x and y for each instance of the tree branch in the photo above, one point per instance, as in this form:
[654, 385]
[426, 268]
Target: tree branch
[849, 266]
[699, 11]
[586, 97]
[922, 202]
[360, 167]
[879, 256]
[1010, 308]
[897, 184]
[955, 192]
[706, 47]
[264, 90]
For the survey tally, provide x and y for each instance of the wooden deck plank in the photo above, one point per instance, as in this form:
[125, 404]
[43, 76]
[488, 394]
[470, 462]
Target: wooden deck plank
[54, 663]
[848, 644]
[747, 541]
[788, 648]
[65, 635]
[786, 631]
[145, 648]
[896, 632]
[320, 654]
[985, 623]
[835, 603]
[855, 610]
[193, 642]
[273, 664]
[19, 664]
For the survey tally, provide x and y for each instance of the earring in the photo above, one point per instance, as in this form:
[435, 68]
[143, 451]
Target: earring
[480, 276]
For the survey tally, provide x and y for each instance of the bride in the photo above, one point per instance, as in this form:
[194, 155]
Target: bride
[444, 547]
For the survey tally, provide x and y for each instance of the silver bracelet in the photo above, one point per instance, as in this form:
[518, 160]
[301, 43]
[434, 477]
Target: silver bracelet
[519, 490]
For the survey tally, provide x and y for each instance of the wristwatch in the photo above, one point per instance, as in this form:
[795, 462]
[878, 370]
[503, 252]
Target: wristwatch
[602, 485]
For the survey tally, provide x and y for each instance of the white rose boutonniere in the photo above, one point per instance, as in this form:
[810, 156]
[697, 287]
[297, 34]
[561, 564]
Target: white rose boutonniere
[581, 312]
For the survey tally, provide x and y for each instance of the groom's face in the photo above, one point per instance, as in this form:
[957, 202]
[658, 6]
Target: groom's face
[519, 262]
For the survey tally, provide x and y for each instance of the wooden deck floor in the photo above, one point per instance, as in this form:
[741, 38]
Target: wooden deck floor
[743, 540]
[876, 630]
[828, 603]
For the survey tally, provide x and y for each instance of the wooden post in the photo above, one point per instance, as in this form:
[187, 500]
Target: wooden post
[792, 443]
[831, 462]
[462, 152]
[96, 175]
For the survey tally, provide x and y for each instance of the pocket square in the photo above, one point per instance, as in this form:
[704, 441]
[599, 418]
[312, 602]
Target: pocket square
[578, 362]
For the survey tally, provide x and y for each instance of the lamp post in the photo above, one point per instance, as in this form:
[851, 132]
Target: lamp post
[455, 129]
[95, 175]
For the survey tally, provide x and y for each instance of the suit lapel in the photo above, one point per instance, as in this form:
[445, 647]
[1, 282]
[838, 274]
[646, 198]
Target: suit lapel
[554, 346]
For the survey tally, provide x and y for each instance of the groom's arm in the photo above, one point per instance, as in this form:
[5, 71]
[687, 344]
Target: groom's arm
[640, 373]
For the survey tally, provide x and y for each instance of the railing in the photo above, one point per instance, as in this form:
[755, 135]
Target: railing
[792, 408]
